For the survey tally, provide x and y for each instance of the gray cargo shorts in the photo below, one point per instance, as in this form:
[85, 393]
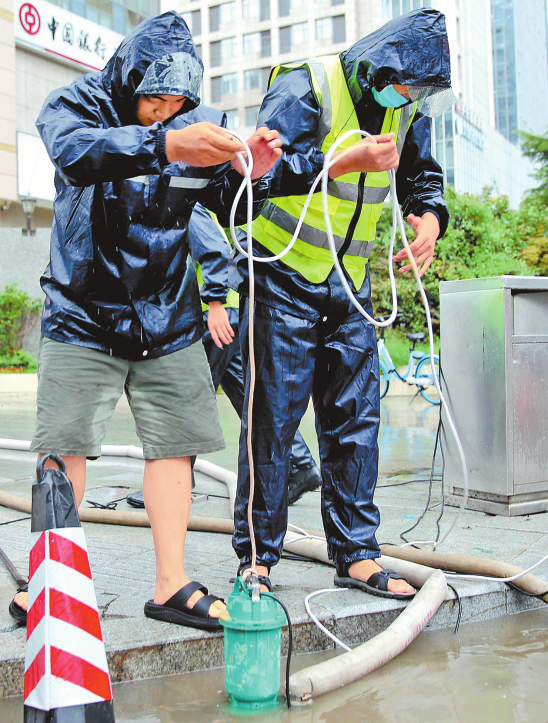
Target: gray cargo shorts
[171, 398]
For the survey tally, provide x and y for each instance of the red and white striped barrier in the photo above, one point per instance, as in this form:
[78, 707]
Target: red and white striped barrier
[65, 661]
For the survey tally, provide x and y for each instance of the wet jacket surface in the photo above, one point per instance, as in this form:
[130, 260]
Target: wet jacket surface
[396, 53]
[117, 279]
[310, 342]
[211, 250]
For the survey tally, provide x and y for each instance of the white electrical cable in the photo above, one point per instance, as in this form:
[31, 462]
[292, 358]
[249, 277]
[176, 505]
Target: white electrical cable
[397, 222]
[315, 620]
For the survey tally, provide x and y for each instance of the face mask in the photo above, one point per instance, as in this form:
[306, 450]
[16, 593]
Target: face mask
[389, 97]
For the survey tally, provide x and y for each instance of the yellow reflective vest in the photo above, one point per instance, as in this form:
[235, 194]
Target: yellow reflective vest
[274, 228]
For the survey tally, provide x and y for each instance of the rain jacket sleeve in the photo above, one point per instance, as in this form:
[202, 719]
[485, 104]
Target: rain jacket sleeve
[209, 247]
[85, 152]
[73, 125]
[290, 108]
[419, 178]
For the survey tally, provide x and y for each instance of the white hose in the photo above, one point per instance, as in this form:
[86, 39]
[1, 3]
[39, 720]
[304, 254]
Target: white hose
[130, 450]
[355, 664]
[397, 222]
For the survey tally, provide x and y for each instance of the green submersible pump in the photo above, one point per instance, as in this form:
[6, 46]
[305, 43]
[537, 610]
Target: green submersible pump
[252, 642]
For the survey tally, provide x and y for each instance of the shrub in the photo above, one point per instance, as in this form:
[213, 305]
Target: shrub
[19, 314]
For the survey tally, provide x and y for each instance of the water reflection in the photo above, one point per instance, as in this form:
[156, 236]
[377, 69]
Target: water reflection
[491, 672]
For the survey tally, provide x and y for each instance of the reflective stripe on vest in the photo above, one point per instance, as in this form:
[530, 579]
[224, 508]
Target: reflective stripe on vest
[274, 228]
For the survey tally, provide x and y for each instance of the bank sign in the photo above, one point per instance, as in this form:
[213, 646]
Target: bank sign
[54, 31]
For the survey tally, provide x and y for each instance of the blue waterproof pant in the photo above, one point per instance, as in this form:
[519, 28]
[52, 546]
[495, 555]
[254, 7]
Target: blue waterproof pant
[227, 373]
[331, 355]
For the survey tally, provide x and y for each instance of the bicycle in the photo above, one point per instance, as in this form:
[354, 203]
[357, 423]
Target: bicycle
[418, 372]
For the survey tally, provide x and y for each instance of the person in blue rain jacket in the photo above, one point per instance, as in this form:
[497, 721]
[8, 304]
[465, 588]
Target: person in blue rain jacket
[309, 338]
[211, 250]
[134, 151]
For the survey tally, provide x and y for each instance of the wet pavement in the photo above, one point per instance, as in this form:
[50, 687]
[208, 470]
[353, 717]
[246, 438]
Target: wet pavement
[122, 557]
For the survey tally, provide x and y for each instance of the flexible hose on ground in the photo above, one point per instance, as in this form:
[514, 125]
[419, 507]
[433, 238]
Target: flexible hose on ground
[130, 450]
[118, 517]
[336, 672]
[401, 559]
[316, 548]
[529, 583]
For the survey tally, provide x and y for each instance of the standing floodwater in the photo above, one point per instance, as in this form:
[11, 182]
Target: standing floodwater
[490, 672]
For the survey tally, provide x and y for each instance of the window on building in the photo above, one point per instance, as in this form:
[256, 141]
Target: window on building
[337, 2]
[223, 85]
[252, 43]
[285, 39]
[324, 28]
[284, 6]
[299, 34]
[215, 53]
[220, 50]
[250, 8]
[228, 48]
[214, 18]
[194, 21]
[251, 113]
[221, 14]
[291, 35]
[233, 119]
[256, 78]
[216, 89]
[229, 83]
[331, 29]
[339, 29]
[265, 10]
[265, 44]
[228, 12]
[253, 79]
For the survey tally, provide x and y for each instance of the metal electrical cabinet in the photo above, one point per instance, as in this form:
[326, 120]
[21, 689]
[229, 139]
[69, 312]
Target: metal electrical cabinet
[494, 362]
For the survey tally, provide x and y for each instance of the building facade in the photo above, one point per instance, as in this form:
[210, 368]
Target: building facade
[43, 46]
[241, 40]
[499, 70]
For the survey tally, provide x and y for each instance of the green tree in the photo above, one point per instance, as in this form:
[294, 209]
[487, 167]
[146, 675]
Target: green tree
[19, 313]
[485, 237]
[536, 148]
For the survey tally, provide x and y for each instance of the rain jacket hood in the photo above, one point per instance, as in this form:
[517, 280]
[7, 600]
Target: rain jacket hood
[410, 50]
[117, 279]
[158, 57]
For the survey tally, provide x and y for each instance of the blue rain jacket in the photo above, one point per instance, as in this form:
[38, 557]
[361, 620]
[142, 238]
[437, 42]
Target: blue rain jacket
[309, 339]
[211, 250]
[117, 280]
[396, 53]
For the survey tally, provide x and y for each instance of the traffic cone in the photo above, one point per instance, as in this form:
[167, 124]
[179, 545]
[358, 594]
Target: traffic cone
[66, 670]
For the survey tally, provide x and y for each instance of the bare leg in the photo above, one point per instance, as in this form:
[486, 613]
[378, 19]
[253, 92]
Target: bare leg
[363, 569]
[76, 472]
[167, 495]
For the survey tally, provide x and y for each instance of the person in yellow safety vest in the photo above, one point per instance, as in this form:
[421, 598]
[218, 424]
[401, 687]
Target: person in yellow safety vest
[309, 338]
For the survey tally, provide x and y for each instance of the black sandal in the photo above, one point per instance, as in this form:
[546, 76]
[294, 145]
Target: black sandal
[176, 610]
[377, 583]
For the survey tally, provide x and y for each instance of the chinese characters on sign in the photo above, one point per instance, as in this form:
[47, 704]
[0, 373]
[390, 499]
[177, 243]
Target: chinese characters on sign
[57, 31]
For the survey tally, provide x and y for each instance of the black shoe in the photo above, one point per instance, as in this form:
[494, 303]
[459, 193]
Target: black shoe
[301, 481]
[136, 498]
